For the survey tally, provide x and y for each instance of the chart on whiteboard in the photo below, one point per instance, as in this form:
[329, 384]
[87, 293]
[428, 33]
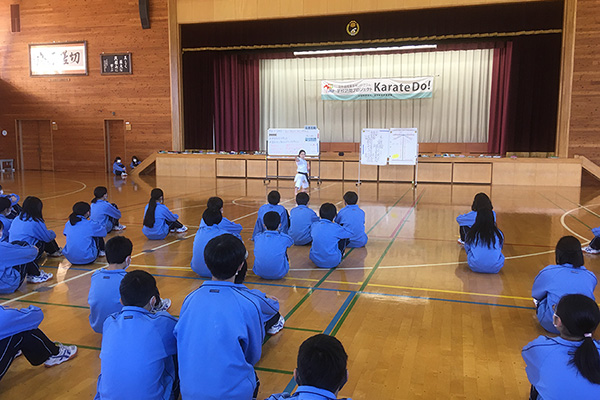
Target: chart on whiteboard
[288, 142]
[403, 146]
[374, 146]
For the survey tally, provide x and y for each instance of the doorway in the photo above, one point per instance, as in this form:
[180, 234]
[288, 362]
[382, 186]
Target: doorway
[36, 145]
[114, 136]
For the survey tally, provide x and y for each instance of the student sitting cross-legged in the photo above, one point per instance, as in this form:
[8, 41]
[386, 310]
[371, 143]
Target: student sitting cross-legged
[105, 213]
[138, 356]
[483, 244]
[216, 203]
[104, 297]
[273, 199]
[270, 249]
[321, 371]
[205, 233]
[352, 218]
[158, 219]
[19, 332]
[329, 239]
[301, 219]
[221, 328]
[85, 238]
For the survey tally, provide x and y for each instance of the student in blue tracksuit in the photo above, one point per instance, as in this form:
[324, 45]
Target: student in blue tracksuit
[14, 203]
[138, 355]
[301, 219]
[119, 168]
[568, 276]
[466, 221]
[273, 199]
[158, 219]
[30, 227]
[17, 261]
[568, 366]
[205, 233]
[352, 218]
[321, 371]
[105, 213]
[270, 249]
[483, 244]
[134, 162]
[85, 238]
[221, 328]
[104, 297]
[5, 209]
[19, 332]
[329, 240]
[216, 203]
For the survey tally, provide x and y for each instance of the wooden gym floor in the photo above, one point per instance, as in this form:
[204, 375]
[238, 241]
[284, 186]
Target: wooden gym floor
[415, 321]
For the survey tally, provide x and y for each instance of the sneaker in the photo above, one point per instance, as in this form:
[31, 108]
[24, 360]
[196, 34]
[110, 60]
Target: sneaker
[163, 306]
[461, 242]
[57, 253]
[42, 277]
[119, 227]
[277, 327]
[182, 229]
[101, 253]
[589, 250]
[65, 353]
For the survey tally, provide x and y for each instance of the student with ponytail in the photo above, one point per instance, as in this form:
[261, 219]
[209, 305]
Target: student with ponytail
[568, 276]
[216, 204]
[105, 213]
[568, 366]
[158, 219]
[483, 244]
[85, 238]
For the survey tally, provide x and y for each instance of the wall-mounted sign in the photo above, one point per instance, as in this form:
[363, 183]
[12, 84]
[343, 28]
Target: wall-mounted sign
[352, 28]
[69, 58]
[115, 64]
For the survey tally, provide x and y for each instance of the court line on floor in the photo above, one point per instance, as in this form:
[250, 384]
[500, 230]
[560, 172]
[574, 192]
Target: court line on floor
[568, 213]
[69, 193]
[582, 206]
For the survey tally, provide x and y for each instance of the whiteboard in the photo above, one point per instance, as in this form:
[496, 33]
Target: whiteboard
[288, 142]
[403, 146]
[373, 146]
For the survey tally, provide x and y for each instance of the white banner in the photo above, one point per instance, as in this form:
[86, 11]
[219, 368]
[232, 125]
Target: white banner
[378, 89]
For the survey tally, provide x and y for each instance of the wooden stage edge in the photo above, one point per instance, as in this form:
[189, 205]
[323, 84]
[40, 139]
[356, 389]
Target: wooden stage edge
[473, 170]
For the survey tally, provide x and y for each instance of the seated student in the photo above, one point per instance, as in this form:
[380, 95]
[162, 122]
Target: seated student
[30, 227]
[104, 297]
[17, 261]
[134, 162]
[216, 203]
[301, 219]
[321, 371]
[352, 218]
[15, 208]
[138, 355]
[158, 219]
[568, 366]
[119, 168]
[483, 244]
[568, 276]
[85, 238]
[5, 209]
[273, 199]
[329, 240]
[105, 213]
[270, 249]
[466, 221]
[221, 328]
[205, 233]
[19, 332]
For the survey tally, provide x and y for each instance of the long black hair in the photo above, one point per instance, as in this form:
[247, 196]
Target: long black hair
[99, 193]
[568, 251]
[155, 195]
[481, 201]
[484, 230]
[32, 209]
[79, 210]
[580, 316]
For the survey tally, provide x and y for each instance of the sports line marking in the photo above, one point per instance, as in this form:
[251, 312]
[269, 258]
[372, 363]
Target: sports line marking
[69, 193]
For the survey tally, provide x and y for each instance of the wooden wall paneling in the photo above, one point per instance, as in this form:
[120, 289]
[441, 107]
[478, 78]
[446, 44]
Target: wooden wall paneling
[257, 168]
[45, 135]
[288, 168]
[396, 173]
[569, 175]
[30, 145]
[435, 172]
[367, 172]
[472, 173]
[332, 170]
[115, 139]
[546, 174]
[503, 173]
[231, 168]
[566, 78]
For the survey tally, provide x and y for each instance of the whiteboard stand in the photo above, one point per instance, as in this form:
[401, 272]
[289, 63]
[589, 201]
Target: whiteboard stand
[268, 177]
[286, 143]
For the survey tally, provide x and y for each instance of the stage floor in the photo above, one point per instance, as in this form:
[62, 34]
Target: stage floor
[415, 321]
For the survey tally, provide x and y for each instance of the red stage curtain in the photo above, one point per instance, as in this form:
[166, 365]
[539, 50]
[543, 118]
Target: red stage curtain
[499, 105]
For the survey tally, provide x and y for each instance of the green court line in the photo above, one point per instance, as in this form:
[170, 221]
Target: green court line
[81, 346]
[52, 304]
[570, 215]
[277, 371]
[303, 329]
[584, 208]
[377, 264]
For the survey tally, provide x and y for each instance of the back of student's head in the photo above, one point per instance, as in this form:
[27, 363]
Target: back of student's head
[328, 211]
[322, 363]
[302, 198]
[214, 203]
[273, 197]
[350, 198]
[137, 288]
[5, 204]
[79, 210]
[118, 249]
[481, 201]
[272, 220]
[568, 251]
[224, 255]
[149, 217]
[212, 217]
[32, 209]
[580, 316]
[484, 230]
[99, 193]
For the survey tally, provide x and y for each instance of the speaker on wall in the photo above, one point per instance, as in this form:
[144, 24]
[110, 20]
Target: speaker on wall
[145, 14]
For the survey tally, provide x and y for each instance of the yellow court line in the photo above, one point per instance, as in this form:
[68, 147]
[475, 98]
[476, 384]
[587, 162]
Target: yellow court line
[451, 291]
[328, 281]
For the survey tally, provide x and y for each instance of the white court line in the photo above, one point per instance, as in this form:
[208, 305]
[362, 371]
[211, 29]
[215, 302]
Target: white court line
[562, 221]
[69, 193]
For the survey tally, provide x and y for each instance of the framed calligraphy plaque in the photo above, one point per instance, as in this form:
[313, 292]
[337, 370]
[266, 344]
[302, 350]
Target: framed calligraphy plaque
[115, 64]
[68, 58]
